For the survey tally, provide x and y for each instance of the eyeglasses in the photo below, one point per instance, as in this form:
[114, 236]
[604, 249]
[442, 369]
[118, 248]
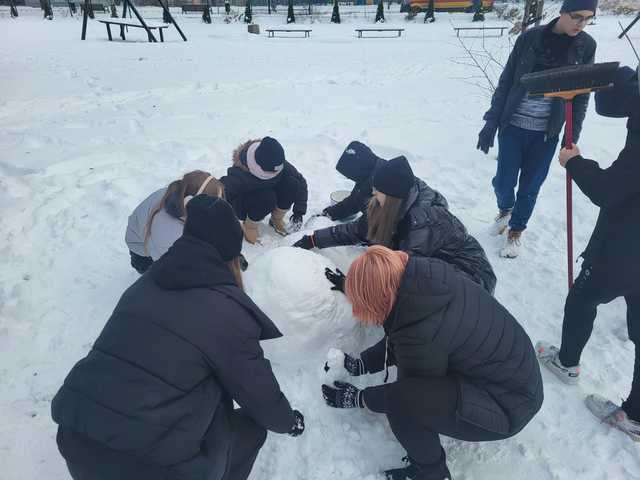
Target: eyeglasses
[579, 19]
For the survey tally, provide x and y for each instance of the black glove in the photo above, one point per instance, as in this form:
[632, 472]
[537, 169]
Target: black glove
[298, 425]
[486, 136]
[243, 263]
[344, 395]
[307, 242]
[337, 278]
[295, 223]
[328, 212]
[355, 366]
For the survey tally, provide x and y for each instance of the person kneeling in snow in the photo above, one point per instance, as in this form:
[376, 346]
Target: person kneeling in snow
[406, 214]
[154, 397]
[158, 221]
[261, 181]
[465, 367]
[611, 267]
[357, 163]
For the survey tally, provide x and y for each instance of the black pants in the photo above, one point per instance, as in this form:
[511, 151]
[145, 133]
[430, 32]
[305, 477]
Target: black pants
[92, 461]
[140, 263]
[258, 204]
[421, 409]
[591, 289]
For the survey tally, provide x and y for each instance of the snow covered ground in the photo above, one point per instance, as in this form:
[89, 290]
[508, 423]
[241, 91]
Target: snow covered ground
[88, 129]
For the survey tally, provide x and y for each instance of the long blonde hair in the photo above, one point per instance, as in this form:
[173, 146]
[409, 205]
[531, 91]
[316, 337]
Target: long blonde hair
[186, 186]
[382, 220]
[373, 281]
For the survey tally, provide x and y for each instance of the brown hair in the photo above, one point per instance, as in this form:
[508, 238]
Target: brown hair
[372, 283]
[382, 220]
[186, 186]
[234, 266]
[236, 153]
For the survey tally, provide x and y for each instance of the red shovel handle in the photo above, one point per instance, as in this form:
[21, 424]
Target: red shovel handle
[568, 135]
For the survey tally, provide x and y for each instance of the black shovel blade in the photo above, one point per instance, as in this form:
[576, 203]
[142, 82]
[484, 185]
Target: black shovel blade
[574, 77]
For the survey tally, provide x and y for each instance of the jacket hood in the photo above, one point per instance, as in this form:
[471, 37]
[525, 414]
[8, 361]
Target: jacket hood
[191, 263]
[357, 162]
[416, 302]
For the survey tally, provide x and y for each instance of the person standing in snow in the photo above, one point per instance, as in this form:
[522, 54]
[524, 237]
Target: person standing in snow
[154, 396]
[465, 367]
[357, 163]
[261, 181]
[159, 220]
[529, 127]
[611, 266]
[406, 214]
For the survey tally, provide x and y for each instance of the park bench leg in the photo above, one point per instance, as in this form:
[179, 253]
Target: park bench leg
[109, 32]
[122, 32]
[161, 35]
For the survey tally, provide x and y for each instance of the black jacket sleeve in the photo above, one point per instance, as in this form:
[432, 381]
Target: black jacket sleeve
[247, 376]
[296, 181]
[608, 187]
[581, 102]
[353, 203]
[353, 233]
[505, 83]
[374, 357]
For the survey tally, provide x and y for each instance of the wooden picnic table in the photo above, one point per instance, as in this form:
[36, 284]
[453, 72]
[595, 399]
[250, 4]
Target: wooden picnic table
[130, 23]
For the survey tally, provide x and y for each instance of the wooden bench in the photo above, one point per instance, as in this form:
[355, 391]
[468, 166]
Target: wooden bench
[502, 29]
[360, 30]
[129, 23]
[272, 31]
[96, 7]
[193, 8]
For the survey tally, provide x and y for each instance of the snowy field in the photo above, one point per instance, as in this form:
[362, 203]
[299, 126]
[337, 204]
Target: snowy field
[89, 129]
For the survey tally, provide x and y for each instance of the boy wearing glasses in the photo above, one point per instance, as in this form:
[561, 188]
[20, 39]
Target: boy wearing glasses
[529, 127]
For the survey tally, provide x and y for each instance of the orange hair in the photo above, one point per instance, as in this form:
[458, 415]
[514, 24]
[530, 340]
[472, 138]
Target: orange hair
[372, 283]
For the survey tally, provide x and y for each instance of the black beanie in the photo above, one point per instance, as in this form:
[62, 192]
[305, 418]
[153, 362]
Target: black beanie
[395, 178]
[576, 5]
[269, 154]
[212, 220]
[357, 162]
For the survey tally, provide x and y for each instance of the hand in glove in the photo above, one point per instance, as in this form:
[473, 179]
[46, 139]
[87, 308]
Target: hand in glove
[486, 136]
[327, 212]
[243, 263]
[344, 395]
[298, 425]
[307, 242]
[338, 360]
[337, 278]
[295, 223]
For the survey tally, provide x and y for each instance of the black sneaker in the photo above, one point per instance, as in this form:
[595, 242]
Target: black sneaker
[414, 471]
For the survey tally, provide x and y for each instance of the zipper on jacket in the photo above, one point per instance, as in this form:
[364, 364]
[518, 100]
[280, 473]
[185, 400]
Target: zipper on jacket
[386, 365]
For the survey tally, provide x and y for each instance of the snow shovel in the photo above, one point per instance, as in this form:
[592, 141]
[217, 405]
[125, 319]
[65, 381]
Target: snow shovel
[567, 83]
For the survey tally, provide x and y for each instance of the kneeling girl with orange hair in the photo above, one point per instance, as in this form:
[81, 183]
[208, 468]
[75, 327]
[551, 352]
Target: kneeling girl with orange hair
[465, 367]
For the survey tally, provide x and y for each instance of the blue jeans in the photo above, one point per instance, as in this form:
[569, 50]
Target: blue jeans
[527, 154]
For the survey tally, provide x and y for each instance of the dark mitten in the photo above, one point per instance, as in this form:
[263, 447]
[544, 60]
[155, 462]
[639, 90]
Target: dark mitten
[344, 395]
[243, 263]
[355, 366]
[298, 425]
[328, 212]
[307, 242]
[337, 278]
[295, 223]
[486, 136]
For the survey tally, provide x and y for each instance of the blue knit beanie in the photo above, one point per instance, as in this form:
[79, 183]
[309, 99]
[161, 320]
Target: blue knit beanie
[575, 5]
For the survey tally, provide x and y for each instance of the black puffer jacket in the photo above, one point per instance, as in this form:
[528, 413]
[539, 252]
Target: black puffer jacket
[158, 383]
[424, 227]
[615, 242]
[445, 325]
[510, 91]
[239, 181]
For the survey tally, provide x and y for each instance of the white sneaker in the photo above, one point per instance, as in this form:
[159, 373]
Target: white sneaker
[500, 223]
[512, 245]
[549, 356]
[611, 414]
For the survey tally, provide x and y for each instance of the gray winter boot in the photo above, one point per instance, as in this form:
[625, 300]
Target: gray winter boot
[611, 414]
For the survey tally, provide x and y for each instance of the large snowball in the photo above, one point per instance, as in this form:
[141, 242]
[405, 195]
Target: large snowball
[289, 285]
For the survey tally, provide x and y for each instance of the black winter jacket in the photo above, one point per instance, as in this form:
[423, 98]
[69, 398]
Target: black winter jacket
[615, 243]
[158, 383]
[238, 182]
[427, 228]
[443, 324]
[510, 92]
[359, 198]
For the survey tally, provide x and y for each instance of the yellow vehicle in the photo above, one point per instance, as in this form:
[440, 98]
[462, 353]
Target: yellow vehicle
[443, 5]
